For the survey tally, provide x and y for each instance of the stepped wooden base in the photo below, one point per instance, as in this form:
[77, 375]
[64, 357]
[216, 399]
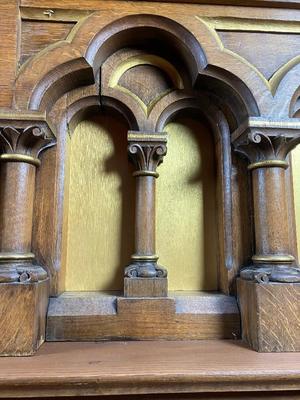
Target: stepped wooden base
[95, 316]
[270, 315]
[145, 287]
[23, 308]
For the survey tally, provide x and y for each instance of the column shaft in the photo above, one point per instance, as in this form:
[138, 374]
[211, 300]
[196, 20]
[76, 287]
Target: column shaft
[16, 199]
[145, 216]
[270, 211]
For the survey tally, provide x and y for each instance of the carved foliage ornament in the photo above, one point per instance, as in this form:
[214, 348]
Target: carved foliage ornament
[267, 143]
[147, 152]
[28, 142]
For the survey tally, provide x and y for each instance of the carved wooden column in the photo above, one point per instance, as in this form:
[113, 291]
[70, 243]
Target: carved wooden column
[268, 288]
[21, 279]
[144, 277]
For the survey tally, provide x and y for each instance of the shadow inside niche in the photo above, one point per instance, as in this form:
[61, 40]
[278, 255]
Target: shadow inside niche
[195, 166]
[118, 163]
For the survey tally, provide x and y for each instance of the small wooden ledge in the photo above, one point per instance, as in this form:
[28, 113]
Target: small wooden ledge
[135, 368]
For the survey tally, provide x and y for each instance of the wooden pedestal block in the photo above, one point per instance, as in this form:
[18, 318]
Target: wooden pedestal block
[23, 308]
[145, 287]
[270, 315]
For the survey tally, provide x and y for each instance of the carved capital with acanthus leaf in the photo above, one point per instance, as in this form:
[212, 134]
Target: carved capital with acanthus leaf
[23, 137]
[266, 143]
[147, 150]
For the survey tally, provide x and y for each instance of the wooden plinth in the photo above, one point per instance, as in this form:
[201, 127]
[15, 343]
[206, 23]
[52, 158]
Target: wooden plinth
[145, 287]
[270, 315]
[95, 316]
[23, 308]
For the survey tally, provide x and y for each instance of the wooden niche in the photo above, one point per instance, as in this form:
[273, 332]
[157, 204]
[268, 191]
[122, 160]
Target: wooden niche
[146, 70]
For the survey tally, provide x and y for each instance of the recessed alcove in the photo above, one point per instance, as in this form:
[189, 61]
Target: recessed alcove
[296, 185]
[100, 199]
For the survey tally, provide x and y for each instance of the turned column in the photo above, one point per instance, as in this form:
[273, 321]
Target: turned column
[267, 148]
[146, 152]
[19, 161]
[268, 288]
[270, 213]
[24, 285]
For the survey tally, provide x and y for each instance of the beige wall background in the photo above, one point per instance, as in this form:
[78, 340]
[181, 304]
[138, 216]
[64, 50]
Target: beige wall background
[100, 206]
[296, 182]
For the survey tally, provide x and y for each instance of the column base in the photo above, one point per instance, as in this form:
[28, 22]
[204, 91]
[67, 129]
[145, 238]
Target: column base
[270, 315]
[264, 273]
[145, 269]
[145, 287]
[23, 308]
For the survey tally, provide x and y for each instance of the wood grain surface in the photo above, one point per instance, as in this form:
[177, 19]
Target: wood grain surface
[246, 3]
[92, 316]
[296, 184]
[153, 367]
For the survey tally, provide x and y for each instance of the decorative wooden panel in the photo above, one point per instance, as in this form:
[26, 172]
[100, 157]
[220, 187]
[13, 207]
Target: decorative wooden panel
[37, 35]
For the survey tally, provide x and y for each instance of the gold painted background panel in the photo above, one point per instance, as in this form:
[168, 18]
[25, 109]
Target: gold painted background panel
[101, 204]
[296, 181]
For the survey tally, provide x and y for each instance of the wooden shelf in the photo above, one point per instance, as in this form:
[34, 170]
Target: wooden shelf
[112, 368]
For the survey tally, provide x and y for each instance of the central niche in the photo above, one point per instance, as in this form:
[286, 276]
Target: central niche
[100, 186]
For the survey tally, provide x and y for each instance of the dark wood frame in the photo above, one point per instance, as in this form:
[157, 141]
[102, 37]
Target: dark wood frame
[59, 86]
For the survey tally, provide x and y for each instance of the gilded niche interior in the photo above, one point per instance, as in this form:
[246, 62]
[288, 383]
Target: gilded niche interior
[101, 206]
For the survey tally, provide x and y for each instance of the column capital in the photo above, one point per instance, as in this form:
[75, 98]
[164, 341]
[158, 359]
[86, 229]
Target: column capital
[23, 136]
[147, 150]
[266, 142]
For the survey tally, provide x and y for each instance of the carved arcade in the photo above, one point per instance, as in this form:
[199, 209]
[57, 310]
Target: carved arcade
[148, 68]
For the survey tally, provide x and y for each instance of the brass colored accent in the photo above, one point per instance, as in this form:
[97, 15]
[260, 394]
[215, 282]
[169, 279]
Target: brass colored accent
[145, 59]
[268, 164]
[146, 173]
[254, 25]
[257, 122]
[4, 257]
[273, 259]
[293, 124]
[136, 257]
[59, 15]
[20, 158]
[146, 137]
[213, 25]
[22, 116]
[296, 186]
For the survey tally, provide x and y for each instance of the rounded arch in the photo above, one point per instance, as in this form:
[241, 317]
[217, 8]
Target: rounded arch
[75, 61]
[220, 128]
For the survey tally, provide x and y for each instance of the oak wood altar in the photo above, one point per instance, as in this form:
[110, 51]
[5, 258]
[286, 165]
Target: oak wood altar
[234, 68]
